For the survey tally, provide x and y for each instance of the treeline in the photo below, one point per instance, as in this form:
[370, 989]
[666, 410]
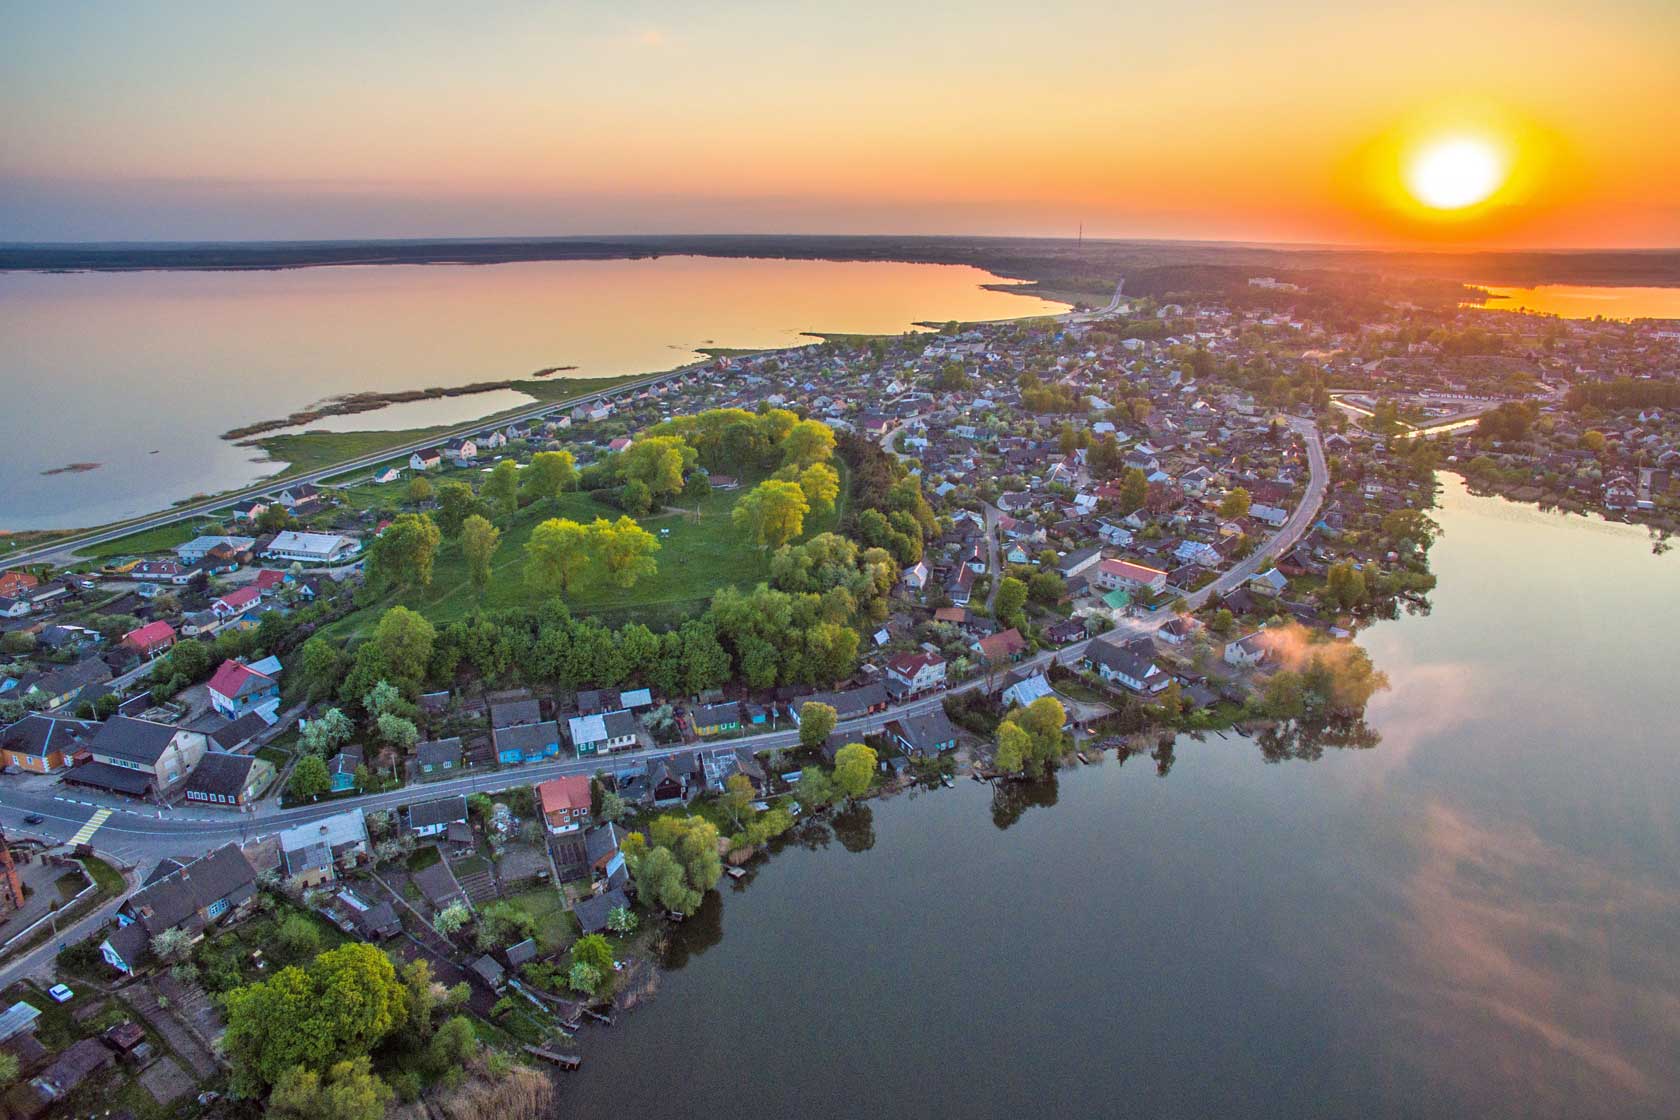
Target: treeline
[1624, 392]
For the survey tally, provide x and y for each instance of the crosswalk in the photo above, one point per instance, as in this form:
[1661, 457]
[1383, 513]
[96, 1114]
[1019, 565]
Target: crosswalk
[85, 833]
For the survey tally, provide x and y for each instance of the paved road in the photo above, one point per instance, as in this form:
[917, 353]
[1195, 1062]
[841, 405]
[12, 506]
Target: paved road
[38, 961]
[63, 551]
[141, 835]
[991, 514]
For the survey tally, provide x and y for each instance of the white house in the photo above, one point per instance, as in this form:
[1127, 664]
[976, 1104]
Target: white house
[1251, 649]
[1112, 574]
[1026, 690]
[910, 674]
[1131, 665]
[199, 547]
[313, 548]
[1271, 515]
[426, 460]
[916, 576]
[1269, 582]
[598, 734]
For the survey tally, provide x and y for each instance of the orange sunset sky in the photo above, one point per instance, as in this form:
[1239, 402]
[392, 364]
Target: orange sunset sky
[1282, 122]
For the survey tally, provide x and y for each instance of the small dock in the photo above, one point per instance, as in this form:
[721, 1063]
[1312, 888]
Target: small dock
[735, 872]
[564, 1061]
[597, 1016]
[1080, 755]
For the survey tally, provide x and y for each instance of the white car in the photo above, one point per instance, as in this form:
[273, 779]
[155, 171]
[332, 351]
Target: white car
[61, 993]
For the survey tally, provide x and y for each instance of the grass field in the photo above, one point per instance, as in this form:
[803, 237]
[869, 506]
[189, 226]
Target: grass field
[701, 552]
[161, 539]
[556, 928]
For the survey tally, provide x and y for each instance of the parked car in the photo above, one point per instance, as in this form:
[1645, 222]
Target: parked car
[34, 818]
[61, 993]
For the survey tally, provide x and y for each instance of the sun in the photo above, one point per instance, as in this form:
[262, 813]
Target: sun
[1455, 172]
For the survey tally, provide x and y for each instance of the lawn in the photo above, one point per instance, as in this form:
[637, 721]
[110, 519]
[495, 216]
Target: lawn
[556, 928]
[161, 539]
[701, 552]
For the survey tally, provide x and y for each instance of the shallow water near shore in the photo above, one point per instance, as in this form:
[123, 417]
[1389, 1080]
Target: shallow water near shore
[1476, 916]
[142, 372]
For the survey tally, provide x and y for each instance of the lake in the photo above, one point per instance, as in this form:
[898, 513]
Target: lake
[1478, 916]
[141, 372]
[1583, 302]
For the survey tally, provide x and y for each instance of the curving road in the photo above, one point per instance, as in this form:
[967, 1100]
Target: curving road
[140, 835]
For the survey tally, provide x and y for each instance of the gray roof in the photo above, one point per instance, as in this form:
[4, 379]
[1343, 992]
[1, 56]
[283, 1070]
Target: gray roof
[38, 735]
[17, 1018]
[527, 735]
[438, 751]
[136, 740]
[928, 732]
[224, 873]
[592, 911]
[513, 712]
[220, 773]
[441, 811]
[241, 730]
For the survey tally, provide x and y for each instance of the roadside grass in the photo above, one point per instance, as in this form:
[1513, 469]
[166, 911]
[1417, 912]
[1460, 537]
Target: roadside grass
[702, 552]
[161, 539]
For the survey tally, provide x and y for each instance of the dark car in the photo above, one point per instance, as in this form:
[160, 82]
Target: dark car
[34, 818]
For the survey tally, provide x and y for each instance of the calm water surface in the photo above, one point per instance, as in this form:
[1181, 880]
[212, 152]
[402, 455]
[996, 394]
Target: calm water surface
[1584, 302]
[142, 372]
[1479, 916]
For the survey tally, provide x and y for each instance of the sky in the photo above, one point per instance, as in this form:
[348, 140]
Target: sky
[1289, 122]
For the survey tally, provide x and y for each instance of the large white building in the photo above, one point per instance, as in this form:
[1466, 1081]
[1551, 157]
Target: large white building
[313, 548]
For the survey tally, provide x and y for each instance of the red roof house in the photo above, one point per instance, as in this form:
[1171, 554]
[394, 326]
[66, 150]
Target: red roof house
[150, 639]
[565, 802]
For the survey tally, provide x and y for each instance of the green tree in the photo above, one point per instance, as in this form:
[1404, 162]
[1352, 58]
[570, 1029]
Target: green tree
[621, 921]
[502, 923]
[309, 777]
[419, 490]
[694, 841]
[1345, 585]
[1134, 488]
[298, 937]
[773, 512]
[402, 556]
[456, 503]
[594, 951]
[550, 474]
[821, 484]
[320, 667]
[404, 640]
[1014, 746]
[584, 977]
[658, 462]
[738, 796]
[338, 1008]
[349, 1091]
[1235, 504]
[557, 553]
[660, 877]
[1011, 597]
[816, 722]
[479, 539]
[625, 550]
[807, 442]
[501, 489]
[816, 789]
[397, 731]
[854, 769]
[327, 731]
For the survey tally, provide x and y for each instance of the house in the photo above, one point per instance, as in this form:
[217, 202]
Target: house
[437, 755]
[232, 736]
[606, 861]
[1248, 650]
[313, 853]
[237, 688]
[299, 494]
[850, 704]
[960, 586]
[1269, 582]
[249, 510]
[374, 922]
[1066, 631]
[592, 912]
[1178, 629]
[188, 897]
[438, 885]
[198, 548]
[1021, 689]
[912, 674]
[925, 733]
[313, 548]
[151, 639]
[43, 744]
[715, 719]
[14, 584]
[429, 459]
[61, 686]
[229, 780]
[73, 1065]
[675, 779]
[1125, 575]
[602, 733]
[1007, 645]
[461, 451]
[526, 742]
[134, 756]
[916, 576]
[433, 818]
[564, 803]
[1132, 664]
[236, 603]
[1076, 562]
[390, 474]
[342, 767]
[14, 608]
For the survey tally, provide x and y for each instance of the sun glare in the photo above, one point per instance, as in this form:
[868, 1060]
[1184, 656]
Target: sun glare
[1455, 173]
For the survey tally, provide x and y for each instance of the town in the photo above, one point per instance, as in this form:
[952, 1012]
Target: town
[469, 729]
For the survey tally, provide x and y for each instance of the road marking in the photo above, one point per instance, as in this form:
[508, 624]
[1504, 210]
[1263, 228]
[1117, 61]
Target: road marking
[85, 833]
